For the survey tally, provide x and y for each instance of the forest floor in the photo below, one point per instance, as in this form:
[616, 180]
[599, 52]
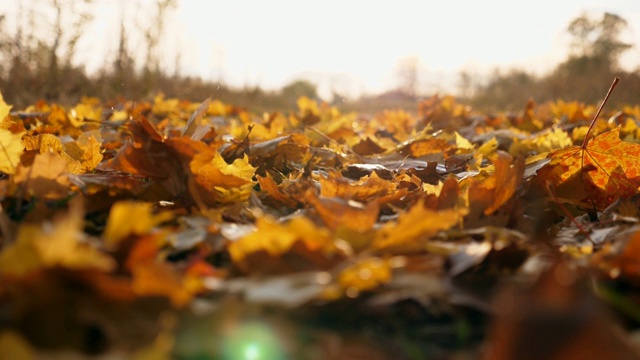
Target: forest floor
[178, 230]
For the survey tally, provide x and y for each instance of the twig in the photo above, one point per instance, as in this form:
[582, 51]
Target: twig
[586, 137]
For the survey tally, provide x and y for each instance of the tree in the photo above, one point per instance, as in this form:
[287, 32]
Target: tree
[598, 39]
[596, 48]
[510, 90]
[154, 32]
[407, 74]
[298, 88]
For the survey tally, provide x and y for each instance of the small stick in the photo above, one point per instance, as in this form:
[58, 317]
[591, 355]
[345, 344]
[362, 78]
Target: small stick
[586, 137]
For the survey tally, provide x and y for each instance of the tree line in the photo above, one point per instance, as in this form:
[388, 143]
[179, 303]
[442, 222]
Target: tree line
[586, 73]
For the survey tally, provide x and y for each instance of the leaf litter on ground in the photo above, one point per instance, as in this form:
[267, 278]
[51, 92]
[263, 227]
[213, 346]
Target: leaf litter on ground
[171, 229]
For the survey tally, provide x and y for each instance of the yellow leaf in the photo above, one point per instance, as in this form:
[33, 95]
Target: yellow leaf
[227, 182]
[462, 142]
[10, 150]
[488, 147]
[165, 106]
[239, 168]
[217, 108]
[50, 245]
[367, 274]
[89, 143]
[14, 347]
[549, 140]
[58, 116]
[45, 143]
[88, 109]
[81, 156]
[307, 106]
[131, 218]
[46, 178]
[276, 239]
[417, 223]
[4, 108]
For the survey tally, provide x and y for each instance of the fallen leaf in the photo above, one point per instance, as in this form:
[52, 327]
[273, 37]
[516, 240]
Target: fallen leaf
[495, 190]
[4, 108]
[365, 275]
[131, 218]
[363, 190]
[337, 212]
[59, 244]
[224, 182]
[277, 239]
[10, 150]
[46, 178]
[415, 225]
[605, 170]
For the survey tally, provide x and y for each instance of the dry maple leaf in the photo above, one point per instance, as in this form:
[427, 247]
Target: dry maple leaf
[45, 178]
[596, 173]
[81, 156]
[221, 182]
[57, 244]
[4, 108]
[419, 222]
[336, 212]
[10, 150]
[491, 193]
[120, 224]
[276, 239]
[151, 277]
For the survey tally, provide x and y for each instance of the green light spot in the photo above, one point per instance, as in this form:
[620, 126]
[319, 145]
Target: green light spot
[252, 341]
[252, 352]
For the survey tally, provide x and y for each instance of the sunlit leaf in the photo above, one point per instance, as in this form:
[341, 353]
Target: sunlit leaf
[131, 218]
[276, 239]
[11, 148]
[417, 224]
[4, 108]
[228, 182]
[46, 178]
[606, 170]
[366, 275]
[59, 244]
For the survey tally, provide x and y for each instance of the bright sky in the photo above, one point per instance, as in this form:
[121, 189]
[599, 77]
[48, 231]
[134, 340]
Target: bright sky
[354, 46]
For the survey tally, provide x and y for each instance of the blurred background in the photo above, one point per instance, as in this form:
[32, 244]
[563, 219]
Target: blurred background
[492, 54]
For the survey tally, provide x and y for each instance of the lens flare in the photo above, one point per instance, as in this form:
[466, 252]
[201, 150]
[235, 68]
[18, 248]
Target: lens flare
[252, 341]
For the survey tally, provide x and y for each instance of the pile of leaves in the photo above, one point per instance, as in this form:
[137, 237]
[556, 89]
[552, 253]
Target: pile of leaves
[171, 229]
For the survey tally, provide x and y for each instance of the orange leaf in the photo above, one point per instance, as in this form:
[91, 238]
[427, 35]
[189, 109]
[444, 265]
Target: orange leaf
[276, 239]
[367, 188]
[89, 143]
[158, 278]
[366, 275]
[418, 222]
[597, 174]
[336, 212]
[268, 185]
[59, 244]
[129, 217]
[226, 182]
[46, 178]
[497, 189]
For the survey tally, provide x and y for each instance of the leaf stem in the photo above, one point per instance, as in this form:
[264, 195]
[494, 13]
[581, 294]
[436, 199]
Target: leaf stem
[586, 137]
